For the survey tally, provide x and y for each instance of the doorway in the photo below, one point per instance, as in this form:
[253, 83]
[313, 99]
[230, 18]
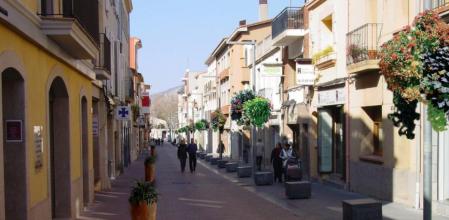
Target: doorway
[331, 141]
[14, 145]
[59, 149]
[85, 151]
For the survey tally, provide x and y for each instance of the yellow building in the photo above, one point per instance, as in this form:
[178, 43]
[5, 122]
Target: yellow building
[49, 58]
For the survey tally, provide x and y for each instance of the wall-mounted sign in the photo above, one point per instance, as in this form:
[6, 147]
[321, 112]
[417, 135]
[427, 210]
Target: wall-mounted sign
[38, 147]
[331, 97]
[123, 113]
[14, 131]
[305, 74]
[269, 70]
[95, 126]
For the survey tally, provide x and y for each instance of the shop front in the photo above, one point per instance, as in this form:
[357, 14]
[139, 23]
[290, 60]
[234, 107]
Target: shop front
[331, 137]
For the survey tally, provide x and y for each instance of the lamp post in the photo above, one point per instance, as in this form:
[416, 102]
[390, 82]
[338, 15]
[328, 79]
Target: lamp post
[251, 43]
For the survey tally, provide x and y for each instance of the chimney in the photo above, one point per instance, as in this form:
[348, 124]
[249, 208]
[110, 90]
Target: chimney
[242, 23]
[263, 10]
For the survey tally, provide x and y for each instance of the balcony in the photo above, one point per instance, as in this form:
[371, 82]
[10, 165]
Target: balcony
[288, 26]
[441, 6]
[325, 59]
[103, 66]
[73, 25]
[363, 48]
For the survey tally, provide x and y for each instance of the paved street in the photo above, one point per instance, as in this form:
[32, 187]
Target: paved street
[213, 194]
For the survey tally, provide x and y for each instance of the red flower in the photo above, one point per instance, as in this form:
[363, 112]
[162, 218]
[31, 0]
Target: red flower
[394, 56]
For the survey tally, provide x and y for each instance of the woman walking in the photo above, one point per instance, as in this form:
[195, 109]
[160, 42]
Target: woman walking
[182, 154]
[276, 161]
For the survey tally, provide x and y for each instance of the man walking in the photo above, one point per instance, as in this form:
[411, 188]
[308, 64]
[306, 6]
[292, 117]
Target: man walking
[192, 149]
[182, 154]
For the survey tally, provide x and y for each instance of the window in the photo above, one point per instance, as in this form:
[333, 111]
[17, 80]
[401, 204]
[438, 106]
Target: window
[375, 115]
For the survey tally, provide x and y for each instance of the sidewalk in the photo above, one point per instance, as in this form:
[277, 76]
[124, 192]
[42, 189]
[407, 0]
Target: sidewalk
[113, 204]
[325, 202]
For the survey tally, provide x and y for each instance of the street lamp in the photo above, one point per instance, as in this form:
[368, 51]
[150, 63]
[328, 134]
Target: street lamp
[251, 43]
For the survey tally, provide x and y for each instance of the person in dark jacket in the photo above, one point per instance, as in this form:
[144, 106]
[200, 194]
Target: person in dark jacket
[220, 149]
[276, 161]
[182, 154]
[192, 149]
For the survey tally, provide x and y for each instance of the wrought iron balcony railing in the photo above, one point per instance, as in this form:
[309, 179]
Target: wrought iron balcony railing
[439, 3]
[85, 12]
[104, 61]
[289, 18]
[363, 43]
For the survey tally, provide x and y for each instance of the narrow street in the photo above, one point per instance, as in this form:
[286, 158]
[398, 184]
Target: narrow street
[203, 195]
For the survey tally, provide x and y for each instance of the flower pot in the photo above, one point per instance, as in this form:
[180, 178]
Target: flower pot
[372, 54]
[144, 211]
[150, 172]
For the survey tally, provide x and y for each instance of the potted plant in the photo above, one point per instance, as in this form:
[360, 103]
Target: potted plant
[258, 111]
[237, 103]
[201, 125]
[218, 120]
[150, 169]
[143, 201]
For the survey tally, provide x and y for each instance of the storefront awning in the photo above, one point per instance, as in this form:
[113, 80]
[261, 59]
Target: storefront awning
[333, 82]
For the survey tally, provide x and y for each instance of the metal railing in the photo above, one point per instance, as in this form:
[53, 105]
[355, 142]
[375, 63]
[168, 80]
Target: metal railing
[289, 18]
[439, 3]
[85, 12]
[363, 43]
[104, 61]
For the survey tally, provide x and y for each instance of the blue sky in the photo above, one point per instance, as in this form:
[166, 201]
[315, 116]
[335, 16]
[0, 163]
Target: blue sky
[180, 34]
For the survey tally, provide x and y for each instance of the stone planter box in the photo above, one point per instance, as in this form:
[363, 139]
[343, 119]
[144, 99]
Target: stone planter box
[231, 167]
[263, 178]
[366, 209]
[244, 171]
[222, 164]
[208, 157]
[298, 190]
[203, 156]
[213, 161]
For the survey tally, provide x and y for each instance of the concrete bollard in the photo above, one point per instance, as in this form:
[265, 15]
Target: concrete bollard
[208, 157]
[214, 161]
[298, 190]
[244, 171]
[263, 178]
[222, 164]
[231, 167]
[358, 209]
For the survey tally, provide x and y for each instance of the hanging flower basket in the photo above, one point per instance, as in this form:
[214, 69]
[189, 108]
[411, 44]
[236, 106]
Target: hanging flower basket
[258, 110]
[201, 125]
[218, 120]
[415, 64]
[237, 103]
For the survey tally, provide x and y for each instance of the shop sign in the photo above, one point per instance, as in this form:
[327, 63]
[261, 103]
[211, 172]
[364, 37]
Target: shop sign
[146, 102]
[305, 74]
[331, 97]
[38, 147]
[14, 131]
[272, 70]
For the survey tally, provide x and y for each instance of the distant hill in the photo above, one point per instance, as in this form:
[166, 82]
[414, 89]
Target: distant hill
[165, 104]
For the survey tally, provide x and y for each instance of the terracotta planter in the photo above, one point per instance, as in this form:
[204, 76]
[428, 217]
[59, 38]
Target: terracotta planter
[144, 211]
[150, 173]
[372, 54]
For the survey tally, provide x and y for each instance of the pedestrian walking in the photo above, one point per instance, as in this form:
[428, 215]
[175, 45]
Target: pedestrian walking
[259, 154]
[192, 149]
[220, 149]
[182, 154]
[287, 154]
[276, 161]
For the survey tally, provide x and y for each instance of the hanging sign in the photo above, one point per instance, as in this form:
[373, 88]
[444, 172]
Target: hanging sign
[305, 74]
[331, 97]
[146, 103]
[14, 131]
[123, 113]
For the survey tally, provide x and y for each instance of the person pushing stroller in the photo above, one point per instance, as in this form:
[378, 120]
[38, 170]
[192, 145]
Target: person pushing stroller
[290, 163]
